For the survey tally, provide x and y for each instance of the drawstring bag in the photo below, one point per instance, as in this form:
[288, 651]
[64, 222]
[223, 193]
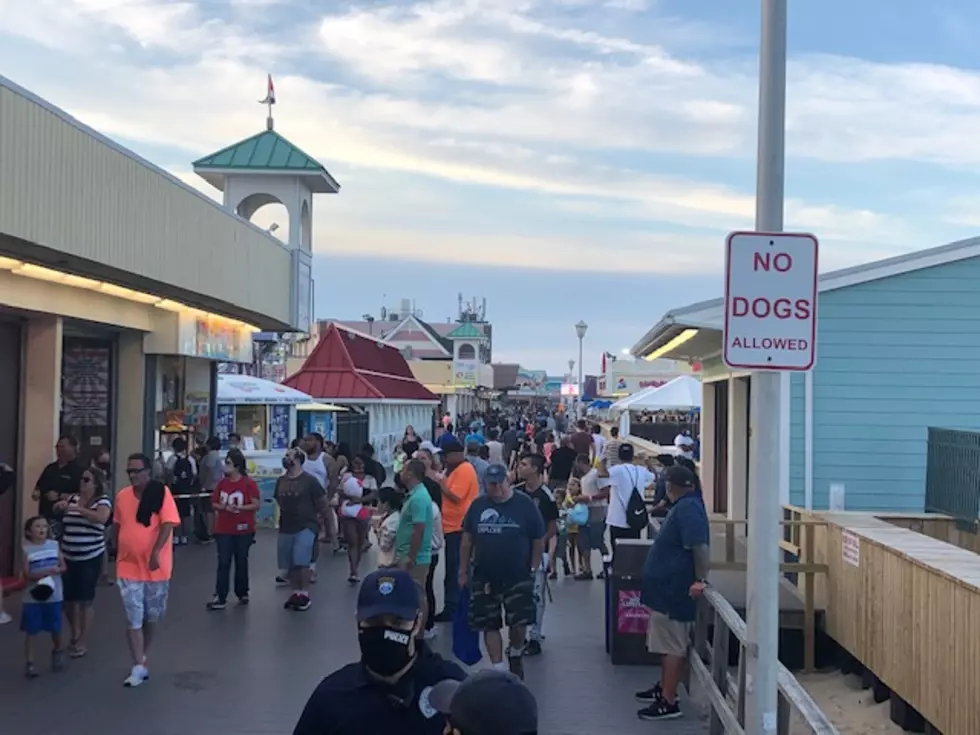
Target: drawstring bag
[578, 515]
[466, 642]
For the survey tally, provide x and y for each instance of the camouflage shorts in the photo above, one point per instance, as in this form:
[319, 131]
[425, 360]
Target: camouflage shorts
[493, 605]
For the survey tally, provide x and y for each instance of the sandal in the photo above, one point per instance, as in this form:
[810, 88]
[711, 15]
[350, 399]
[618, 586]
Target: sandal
[76, 651]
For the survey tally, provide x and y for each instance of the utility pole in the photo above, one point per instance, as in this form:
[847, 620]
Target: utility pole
[762, 644]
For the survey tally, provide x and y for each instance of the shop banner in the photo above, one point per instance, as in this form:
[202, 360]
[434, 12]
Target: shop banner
[278, 427]
[225, 424]
[465, 373]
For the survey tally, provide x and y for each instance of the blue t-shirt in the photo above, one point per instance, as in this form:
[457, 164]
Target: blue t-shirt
[502, 537]
[474, 436]
[669, 569]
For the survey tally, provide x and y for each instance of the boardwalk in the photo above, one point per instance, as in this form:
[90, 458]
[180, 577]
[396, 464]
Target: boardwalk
[249, 671]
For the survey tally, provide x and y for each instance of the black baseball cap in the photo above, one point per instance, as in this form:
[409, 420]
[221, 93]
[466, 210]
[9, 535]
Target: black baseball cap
[388, 592]
[680, 476]
[490, 702]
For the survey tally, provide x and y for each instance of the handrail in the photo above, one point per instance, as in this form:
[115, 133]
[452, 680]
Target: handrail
[710, 667]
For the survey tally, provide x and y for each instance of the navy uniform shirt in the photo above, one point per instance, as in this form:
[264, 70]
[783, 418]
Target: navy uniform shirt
[669, 569]
[350, 702]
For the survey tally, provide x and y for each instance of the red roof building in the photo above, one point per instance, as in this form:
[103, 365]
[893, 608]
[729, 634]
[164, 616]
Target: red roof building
[351, 367]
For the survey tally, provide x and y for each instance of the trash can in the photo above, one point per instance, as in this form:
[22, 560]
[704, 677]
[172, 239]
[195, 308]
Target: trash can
[626, 617]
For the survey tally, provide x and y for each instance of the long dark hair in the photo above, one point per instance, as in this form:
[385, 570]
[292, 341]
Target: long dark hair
[237, 460]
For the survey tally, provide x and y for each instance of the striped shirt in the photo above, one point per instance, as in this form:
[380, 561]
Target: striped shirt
[610, 452]
[81, 538]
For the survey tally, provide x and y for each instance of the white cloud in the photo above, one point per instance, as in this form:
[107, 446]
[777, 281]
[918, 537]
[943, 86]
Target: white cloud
[503, 93]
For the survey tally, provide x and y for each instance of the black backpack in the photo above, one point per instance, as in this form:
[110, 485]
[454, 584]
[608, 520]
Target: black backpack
[183, 476]
[637, 517]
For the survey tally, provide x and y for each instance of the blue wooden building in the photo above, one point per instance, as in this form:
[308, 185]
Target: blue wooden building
[898, 351]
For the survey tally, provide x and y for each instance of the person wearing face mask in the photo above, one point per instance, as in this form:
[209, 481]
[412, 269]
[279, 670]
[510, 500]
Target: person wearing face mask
[302, 501]
[235, 500]
[390, 689]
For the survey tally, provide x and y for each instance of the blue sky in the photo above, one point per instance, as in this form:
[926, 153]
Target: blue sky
[566, 159]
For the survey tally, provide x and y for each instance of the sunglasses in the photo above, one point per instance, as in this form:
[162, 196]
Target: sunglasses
[135, 471]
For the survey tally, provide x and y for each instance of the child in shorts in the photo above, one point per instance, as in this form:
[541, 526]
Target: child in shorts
[41, 609]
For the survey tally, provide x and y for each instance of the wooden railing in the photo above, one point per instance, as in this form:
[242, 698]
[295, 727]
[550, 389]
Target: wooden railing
[798, 541]
[726, 693]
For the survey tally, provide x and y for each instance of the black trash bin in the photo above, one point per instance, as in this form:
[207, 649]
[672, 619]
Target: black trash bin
[626, 618]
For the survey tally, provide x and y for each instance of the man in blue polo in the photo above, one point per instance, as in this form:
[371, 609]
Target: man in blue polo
[389, 689]
[674, 576]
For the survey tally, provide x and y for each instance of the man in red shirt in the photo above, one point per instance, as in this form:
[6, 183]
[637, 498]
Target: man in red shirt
[235, 501]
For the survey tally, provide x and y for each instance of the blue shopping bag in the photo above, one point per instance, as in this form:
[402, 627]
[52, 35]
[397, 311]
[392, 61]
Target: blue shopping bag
[466, 642]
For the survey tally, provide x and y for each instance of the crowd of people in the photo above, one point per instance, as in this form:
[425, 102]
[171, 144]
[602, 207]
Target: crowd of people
[505, 504]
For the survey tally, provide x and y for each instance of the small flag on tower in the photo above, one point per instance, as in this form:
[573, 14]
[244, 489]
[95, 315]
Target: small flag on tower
[270, 95]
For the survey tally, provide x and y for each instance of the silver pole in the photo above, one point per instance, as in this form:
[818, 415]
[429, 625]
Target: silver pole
[762, 646]
[579, 412]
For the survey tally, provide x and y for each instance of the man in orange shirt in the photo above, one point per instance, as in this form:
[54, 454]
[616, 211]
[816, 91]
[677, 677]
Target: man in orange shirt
[145, 516]
[460, 488]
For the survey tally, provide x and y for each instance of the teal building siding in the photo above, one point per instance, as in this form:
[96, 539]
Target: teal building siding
[895, 356]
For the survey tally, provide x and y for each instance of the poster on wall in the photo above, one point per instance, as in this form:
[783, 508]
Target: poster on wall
[226, 424]
[279, 427]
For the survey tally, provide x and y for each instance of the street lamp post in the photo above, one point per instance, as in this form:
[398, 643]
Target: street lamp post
[570, 404]
[580, 329]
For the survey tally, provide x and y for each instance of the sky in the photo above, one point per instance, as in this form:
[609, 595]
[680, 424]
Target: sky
[564, 159]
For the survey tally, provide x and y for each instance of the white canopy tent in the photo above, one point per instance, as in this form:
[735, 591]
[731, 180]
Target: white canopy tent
[245, 389]
[625, 404]
[681, 394]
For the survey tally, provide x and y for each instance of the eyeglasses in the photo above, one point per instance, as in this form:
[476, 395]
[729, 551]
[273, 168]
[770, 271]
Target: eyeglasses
[134, 471]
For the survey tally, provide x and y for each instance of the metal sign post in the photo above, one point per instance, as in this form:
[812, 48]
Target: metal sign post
[762, 642]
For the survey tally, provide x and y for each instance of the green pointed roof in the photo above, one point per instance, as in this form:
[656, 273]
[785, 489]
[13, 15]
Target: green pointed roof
[466, 331]
[265, 152]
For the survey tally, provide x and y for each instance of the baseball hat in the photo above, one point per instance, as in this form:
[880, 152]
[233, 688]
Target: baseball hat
[496, 473]
[452, 446]
[430, 447]
[625, 452]
[680, 476]
[388, 592]
[489, 702]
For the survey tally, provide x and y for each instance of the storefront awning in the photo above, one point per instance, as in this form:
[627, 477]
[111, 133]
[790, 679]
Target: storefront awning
[690, 333]
[244, 389]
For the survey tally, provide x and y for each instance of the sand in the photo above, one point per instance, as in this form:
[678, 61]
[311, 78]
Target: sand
[850, 708]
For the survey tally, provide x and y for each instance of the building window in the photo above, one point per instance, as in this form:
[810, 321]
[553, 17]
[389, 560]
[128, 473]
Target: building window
[466, 352]
[250, 424]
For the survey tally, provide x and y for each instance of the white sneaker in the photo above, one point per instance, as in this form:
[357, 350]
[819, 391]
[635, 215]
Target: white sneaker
[5, 618]
[430, 634]
[137, 676]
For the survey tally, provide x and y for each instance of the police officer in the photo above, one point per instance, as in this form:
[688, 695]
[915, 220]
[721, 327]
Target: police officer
[389, 689]
[491, 702]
